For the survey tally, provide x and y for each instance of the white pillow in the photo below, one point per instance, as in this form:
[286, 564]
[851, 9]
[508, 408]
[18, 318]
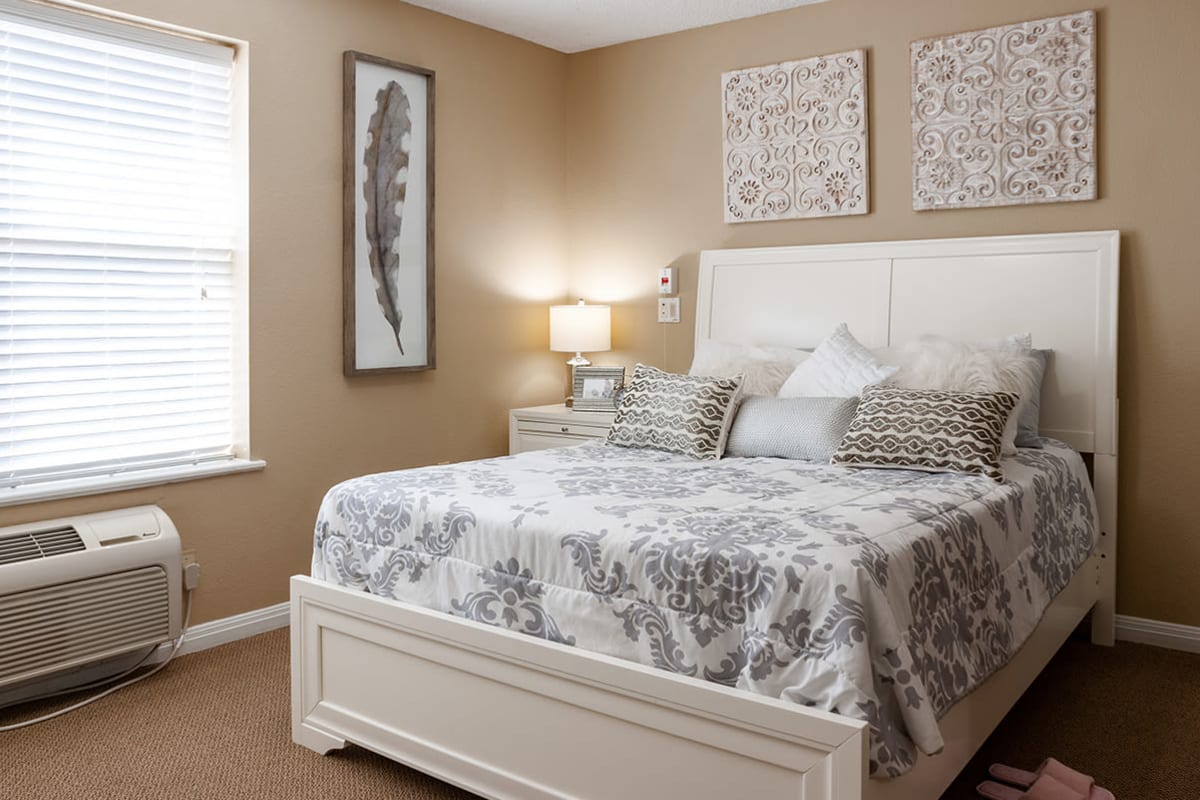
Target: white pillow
[935, 362]
[764, 368]
[839, 367]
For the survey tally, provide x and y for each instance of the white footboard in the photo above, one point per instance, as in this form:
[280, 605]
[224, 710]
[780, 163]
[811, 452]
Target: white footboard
[511, 716]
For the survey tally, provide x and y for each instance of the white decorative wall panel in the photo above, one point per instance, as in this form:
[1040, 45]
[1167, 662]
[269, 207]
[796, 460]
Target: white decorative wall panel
[796, 139]
[1006, 115]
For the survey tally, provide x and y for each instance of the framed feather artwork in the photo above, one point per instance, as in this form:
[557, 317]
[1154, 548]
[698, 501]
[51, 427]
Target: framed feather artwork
[387, 224]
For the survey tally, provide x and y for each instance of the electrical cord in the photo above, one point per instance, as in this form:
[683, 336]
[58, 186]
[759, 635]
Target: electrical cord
[174, 650]
[37, 698]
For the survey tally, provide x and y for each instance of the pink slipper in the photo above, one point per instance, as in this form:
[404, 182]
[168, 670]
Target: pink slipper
[1083, 785]
[1044, 788]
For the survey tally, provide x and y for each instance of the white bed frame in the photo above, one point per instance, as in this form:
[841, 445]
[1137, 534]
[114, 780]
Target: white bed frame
[510, 716]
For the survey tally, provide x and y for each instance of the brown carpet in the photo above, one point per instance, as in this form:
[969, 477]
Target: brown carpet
[215, 725]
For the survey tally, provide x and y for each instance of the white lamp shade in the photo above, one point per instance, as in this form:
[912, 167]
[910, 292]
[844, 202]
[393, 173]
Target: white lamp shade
[580, 328]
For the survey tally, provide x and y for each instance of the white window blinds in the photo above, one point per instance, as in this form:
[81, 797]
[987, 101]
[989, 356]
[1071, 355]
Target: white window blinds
[117, 230]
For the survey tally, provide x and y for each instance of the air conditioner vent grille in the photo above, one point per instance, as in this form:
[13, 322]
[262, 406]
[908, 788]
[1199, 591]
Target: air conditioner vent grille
[40, 544]
[46, 629]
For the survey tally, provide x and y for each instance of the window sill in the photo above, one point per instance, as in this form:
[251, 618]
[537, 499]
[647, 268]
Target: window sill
[81, 487]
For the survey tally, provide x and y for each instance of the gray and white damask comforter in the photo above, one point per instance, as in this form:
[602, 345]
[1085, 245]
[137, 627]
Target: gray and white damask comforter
[883, 595]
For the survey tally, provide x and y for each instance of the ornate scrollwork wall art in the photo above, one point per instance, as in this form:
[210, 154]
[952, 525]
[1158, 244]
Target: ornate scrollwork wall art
[1005, 116]
[796, 139]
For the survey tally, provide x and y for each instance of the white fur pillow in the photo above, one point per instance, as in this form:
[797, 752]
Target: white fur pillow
[839, 367]
[935, 362]
[764, 368]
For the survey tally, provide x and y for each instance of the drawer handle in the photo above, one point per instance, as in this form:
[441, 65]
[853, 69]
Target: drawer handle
[565, 429]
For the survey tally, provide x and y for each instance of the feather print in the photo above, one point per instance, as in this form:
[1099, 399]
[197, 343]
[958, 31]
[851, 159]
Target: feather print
[386, 158]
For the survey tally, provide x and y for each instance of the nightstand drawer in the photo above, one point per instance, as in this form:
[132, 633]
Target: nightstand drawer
[540, 427]
[541, 441]
[565, 428]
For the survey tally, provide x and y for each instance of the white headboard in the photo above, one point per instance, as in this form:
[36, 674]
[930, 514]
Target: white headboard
[1061, 288]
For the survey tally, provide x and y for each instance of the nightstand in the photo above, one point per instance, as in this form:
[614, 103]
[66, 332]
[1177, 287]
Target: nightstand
[542, 427]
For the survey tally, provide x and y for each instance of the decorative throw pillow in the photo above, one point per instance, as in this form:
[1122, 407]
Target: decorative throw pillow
[804, 428]
[684, 414]
[1029, 424]
[928, 430]
[763, 368]
[935, 362]
[839, 367]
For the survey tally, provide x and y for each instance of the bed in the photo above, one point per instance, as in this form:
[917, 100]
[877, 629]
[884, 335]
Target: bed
[471, 697]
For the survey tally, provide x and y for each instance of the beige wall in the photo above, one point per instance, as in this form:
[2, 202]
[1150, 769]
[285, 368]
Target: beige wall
[501, 257]
[644, 178]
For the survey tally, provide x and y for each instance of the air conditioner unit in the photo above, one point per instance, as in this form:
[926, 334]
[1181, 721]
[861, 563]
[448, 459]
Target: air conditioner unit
[85, 589]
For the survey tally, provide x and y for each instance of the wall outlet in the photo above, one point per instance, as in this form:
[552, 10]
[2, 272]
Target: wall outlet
[191, 569]
[668, 309]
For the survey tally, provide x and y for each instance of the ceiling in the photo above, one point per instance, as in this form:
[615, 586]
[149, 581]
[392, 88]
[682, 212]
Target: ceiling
[574, 25]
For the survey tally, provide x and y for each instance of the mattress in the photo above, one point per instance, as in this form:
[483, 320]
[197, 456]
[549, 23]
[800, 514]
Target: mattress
[883, 595]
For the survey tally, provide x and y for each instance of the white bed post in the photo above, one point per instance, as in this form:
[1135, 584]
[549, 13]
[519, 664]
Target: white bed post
[1104, 465]
[1104, 614]
[306, 675]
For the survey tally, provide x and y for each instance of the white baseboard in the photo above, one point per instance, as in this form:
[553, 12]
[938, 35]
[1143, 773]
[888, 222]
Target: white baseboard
[1160, 634]
[241, 626]
[230, 629]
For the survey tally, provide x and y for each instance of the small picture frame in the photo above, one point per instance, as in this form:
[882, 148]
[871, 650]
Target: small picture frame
[596, 388]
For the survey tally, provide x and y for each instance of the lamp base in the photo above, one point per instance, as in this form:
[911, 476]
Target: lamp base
[577, 361]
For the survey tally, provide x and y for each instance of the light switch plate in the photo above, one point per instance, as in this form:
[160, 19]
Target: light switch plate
[668, 309]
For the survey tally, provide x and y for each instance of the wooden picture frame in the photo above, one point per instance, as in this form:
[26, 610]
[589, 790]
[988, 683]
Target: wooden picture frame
[387, 216]
[586, 398]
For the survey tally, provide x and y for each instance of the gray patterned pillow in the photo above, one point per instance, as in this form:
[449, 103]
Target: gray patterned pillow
[929, 430]
[805, 428]
[683, 414]
[1031, 410]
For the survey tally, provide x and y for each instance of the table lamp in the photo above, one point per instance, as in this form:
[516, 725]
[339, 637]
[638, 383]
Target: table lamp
[580, 329]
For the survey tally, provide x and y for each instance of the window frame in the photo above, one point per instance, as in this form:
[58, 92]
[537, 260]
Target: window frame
[240, 460]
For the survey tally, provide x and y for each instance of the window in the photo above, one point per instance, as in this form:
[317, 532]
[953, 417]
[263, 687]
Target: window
[121, 298]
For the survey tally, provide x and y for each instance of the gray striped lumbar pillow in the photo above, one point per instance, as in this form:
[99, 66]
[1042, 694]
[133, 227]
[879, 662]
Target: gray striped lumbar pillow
[805, 428]
[933, 431]
[683, 414]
